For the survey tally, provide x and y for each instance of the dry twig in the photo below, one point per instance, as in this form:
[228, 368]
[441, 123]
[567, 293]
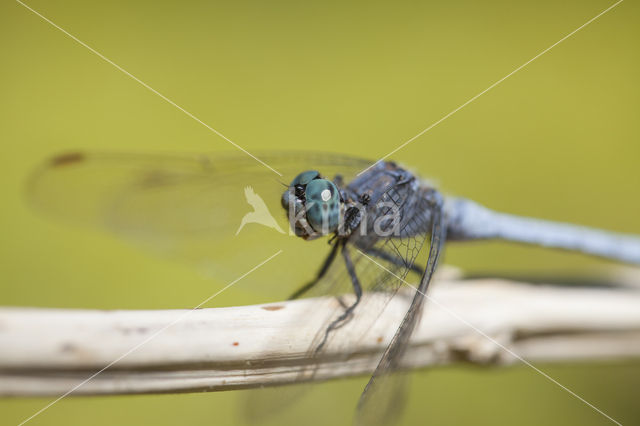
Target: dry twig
[49, 351]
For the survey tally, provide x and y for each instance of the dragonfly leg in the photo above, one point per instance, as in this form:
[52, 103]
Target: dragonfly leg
[398, 261]
[357, 289]
[323, 270]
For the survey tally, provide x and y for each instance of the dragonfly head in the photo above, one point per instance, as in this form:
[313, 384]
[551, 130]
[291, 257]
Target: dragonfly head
[313, 205]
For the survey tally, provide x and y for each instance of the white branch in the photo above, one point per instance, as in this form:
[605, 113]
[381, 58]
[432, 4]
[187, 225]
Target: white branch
[49, 351]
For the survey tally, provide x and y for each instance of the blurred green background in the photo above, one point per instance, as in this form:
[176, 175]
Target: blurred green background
[559, 140]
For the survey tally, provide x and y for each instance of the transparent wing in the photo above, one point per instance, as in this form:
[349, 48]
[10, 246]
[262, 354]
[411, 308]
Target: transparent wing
[379, 402]
[381, 266]
[195, 207]
[191, 207]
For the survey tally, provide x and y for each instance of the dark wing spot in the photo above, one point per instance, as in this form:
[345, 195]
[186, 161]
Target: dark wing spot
[66, 159]
[272, 308]
[235, 343]
[379, 339]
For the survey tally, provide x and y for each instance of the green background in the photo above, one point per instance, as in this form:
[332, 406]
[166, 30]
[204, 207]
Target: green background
[559, 140]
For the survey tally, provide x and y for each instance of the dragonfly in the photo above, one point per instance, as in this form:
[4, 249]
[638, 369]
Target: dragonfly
[194, 206]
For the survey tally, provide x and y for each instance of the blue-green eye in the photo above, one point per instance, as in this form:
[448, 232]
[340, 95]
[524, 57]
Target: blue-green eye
[305, 177]
[323, 205]
[302, 179]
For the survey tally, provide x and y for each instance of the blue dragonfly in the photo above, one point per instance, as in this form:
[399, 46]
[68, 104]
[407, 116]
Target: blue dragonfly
[195, 207]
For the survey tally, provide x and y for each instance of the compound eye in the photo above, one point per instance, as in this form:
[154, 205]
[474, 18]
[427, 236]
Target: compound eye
[286, 196]
[323, 205]
[305, 177]
[298, 184]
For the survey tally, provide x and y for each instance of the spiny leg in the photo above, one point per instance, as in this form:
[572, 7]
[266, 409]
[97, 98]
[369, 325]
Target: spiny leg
[398, 261]
[323, 270]
[357, 289]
